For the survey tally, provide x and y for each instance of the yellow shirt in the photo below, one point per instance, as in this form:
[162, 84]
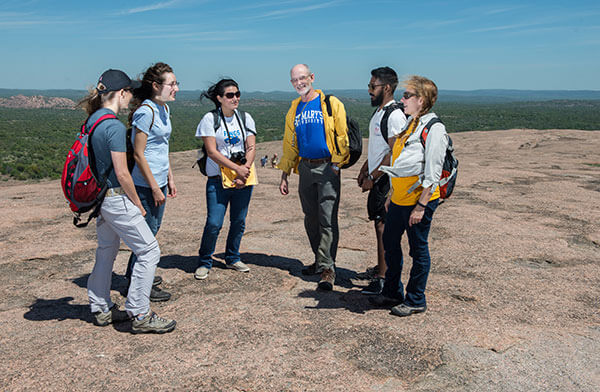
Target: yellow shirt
[401, 185]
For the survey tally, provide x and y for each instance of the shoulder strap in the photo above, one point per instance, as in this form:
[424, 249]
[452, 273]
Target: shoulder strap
[92, 158]
[216, 119]
[328, 104]
[388, 110]
[330, 113]
[152, 122]
[98, 121]
[425, 131]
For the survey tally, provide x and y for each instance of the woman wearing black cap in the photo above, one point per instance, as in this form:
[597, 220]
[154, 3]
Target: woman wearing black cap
[121, 215]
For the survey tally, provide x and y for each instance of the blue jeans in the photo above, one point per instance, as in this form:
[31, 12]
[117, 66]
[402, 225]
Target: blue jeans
[396, 223]
[153, 217]
[217, 199]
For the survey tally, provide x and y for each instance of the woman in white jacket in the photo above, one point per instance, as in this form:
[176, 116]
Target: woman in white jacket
[415, 174]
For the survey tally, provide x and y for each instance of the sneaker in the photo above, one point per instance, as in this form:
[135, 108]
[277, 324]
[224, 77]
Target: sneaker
[383, 301]
[238, 266]
[375, 287]
[114, 315]
[370, 273]
[404, 310]
[158, 295]
[152, 323]
[311, 270]
[327, 279]
[201, 273]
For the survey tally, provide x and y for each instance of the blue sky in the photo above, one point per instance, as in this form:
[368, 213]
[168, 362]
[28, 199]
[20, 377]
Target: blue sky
[463, 45]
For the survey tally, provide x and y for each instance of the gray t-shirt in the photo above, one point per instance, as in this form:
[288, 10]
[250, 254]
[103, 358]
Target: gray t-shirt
[109, 135]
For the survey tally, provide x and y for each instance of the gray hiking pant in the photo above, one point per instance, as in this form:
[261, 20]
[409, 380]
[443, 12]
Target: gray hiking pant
[319, 190]
[120, 219]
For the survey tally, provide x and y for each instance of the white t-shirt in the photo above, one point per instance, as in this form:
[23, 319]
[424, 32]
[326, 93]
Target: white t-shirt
[378, 147]
[225, 145]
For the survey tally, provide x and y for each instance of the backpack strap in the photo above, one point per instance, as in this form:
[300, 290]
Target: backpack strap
[328, 105]
[152, 109]
[388, 110]
[92, 158]
[425, 131]
[423, 138]
[330, 113]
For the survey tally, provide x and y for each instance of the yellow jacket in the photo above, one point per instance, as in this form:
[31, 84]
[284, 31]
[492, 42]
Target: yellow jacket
[336, 129]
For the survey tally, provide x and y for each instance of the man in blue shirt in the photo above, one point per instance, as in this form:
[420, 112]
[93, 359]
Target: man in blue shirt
[315, 145]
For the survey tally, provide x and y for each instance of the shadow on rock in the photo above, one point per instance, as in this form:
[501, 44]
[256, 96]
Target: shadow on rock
[61, 309]
[57, 309]
[187, 264]
[294, 267]
[118, 282]
[352, 300]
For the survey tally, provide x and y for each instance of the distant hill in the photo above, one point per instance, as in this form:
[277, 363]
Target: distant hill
[471, 96]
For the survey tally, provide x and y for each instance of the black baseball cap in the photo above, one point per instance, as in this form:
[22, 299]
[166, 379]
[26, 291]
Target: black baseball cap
[115, 80]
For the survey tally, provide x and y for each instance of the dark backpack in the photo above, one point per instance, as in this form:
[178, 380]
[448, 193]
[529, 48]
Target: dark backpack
[450, 165]
[354, 137]
[202, 154]
[82, 186]
[386, 115]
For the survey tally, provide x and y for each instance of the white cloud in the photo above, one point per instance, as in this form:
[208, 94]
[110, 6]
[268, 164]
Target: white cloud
[151, 7]
[286, 12]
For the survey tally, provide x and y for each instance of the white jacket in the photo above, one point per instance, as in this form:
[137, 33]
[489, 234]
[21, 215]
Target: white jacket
[414, 160]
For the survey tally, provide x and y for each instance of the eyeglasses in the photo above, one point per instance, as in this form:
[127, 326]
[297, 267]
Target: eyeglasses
[299, 79]
[409, 95]
[172, 84]
[374, 86]
[237, 94]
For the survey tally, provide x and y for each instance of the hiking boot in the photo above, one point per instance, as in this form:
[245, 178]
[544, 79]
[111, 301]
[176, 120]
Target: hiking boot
[238, 266]
[404, 310]
[383, 301]
[201, 273]
[370, 273]
[311, 270]
[158, 295]
[151, 323]
[157, 280]
[327, 279]
[375, 287]
[114, 315]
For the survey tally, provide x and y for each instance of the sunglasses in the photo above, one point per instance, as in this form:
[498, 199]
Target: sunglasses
[408, 95]
[237, 94]
[172, 84]
[374, 86]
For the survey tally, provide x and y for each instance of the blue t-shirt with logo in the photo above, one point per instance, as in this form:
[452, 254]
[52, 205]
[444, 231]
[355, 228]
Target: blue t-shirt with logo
[310, 130]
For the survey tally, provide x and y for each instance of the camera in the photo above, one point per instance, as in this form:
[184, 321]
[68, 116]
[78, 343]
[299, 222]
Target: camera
[238, 157]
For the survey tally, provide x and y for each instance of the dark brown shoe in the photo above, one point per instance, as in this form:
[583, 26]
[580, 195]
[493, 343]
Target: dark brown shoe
[327, 279]
[311, 270]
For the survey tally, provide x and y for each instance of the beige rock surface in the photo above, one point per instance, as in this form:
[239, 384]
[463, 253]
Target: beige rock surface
[513, 293]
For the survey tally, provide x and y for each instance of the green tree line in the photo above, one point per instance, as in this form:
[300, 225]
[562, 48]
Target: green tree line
[34, 142]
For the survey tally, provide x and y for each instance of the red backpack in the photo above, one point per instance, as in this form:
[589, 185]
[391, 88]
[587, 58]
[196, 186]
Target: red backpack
[450, 165]
[81, 185]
